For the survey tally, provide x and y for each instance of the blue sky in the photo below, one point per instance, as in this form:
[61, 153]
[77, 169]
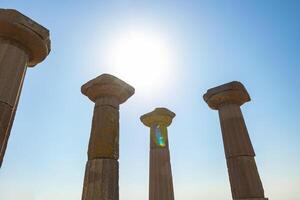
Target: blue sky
[211, 42]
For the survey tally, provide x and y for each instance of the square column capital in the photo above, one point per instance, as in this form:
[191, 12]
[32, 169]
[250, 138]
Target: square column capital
[26, 33]
[107, 85]
[229, 93]
[158, 116]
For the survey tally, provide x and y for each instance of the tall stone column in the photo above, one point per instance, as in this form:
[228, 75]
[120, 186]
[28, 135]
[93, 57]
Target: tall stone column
[23, 43]
[101, 180]
[160, 180]
[243, 174]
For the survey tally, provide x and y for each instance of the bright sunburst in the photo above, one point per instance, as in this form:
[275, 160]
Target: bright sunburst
[141, 59]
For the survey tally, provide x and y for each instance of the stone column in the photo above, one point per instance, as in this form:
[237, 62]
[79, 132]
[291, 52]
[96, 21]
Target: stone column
[23, 43]
[101, 180]
[243, 174]
[160, 180]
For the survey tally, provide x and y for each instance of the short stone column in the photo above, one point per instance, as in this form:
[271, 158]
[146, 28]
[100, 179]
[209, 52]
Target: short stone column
[23, 42]
[101, 180]
[160, 180]
[243, 174]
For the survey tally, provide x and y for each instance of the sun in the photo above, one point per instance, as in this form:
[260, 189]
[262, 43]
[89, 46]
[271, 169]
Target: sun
[142, 59]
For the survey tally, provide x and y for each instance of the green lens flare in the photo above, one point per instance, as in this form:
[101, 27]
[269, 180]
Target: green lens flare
[160, 140]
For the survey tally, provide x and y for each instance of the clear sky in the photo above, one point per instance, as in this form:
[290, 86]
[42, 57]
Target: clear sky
[203, 44]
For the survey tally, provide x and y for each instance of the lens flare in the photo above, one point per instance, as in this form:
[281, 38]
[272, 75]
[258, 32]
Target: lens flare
[159, 138]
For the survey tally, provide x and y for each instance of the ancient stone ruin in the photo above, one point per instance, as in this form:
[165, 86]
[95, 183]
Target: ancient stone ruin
[24, 43]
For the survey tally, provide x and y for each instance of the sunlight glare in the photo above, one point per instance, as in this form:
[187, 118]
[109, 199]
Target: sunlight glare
[141, 59]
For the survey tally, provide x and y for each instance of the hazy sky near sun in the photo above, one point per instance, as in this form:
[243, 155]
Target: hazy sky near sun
[202, 44]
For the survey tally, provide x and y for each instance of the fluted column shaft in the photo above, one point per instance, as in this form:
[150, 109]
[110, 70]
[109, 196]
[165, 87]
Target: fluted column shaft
[160, 180]
[12, 71]
[243, 174]
[102, 169]
[244, 178]
[101, 180]
[160, 175]
[23, 42]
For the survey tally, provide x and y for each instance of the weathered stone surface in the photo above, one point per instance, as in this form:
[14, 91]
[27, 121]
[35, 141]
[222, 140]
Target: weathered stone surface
[158, 116]
[108, 92]
[229, 93]
[26, 33]
[12, 71]
[23, 43]
[101, 180]
[244, 178]
[243, 174]
[234, 131]
[107, 85]
[102, 172]
[4, 136]
[6, 112]
[160, 181]
[104, 139]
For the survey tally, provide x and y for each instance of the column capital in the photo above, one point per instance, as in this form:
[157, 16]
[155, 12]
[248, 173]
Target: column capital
[229, 93]
[106, 86]
[158, 116]
[18, 29]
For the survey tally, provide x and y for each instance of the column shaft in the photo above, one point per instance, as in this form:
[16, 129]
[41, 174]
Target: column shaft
[161, 184]
[13, 61]
[160, 180]
[104, 139]
[102, 174]
[101, 180]
[244, 178]
[102, 170]
[23, 43]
